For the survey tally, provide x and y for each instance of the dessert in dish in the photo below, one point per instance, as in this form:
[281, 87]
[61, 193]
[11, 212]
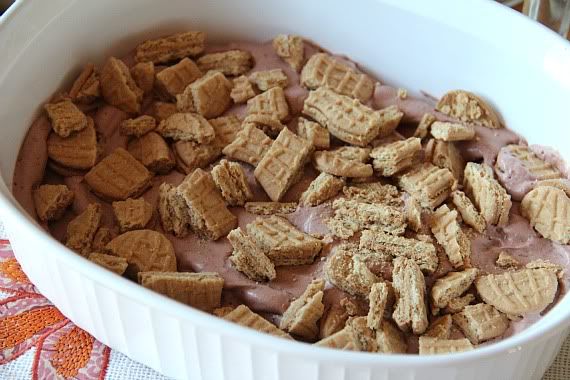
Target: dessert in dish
[280, 187]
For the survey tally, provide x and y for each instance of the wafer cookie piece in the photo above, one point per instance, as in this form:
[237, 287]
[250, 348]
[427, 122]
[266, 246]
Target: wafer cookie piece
[78, 151]
[353, 153]
[328, 162]
[314, 133]
[335, 316]
[86, 89]
[393, 158]
[457, 305]
[409, 284]
[264, 80]
[421, 252]
[101, 238]
[449, 235]
[144, 250]
[347, 271]
[520, 292]
[440, 328]
[547, 209]
[390, 118]
[81, 230]
[545, 264]
[231, 62]
[270, 208]
[390, 339]
[281, 165]
[379, 294]
[171, 48]
[413, 213]
[468, 212]
[422, 129]
[341, 340]
[242, 90]
[323, 188]
[481, 322]
[208, 95]
[448, 131]
[302, 315]
[429, 184]
[451, 286]
[143, 75]
[242, 315]
[282, 242]
[153, 152]
[190, 155]
[200, 290]
[119, 88]
[507, 261]
[118, 176]
[231, 181]
[374, 192]
[291, 49]
[51, 201]
[65, 117]
[352, 216]
[363, 338]
[115, 264]
[434, 346]
[187, 127]
[267, 123]
[174, 79]
[248, 258]
[270, 103]
[487, 194]
[468, 107]
[173, 211]
[209, 215]
[132, 214]
[344, 117]
[323, 70]
[250, 145]
[138, 126]
[446, 156]
[162, 110]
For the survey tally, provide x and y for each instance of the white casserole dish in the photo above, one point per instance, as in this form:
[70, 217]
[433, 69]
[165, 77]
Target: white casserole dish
[421, 45]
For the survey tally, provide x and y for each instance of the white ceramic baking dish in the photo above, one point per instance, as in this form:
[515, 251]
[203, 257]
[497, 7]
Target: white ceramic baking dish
[420, 45]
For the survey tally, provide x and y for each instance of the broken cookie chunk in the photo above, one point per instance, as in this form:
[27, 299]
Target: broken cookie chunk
[51, 201]
[65, 117]
[248, 258]
[302, 315]
[230, 179]
[132, 214]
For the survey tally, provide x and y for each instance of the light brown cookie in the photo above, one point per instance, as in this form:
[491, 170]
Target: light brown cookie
[302, 315]
[487, 194]
[138, 126]
[353, 153]
[226, 129]
[451, 286]
[282, 242]
[282, 164]
[170, 48]
[153, 152]
[118, 176]
[271, 103]
[457, 305]
[264, 80]
[429, 184]
[173, 211]
[314, 133]
[51, 201]
[440, 328]
[422, 129]
[469, 213]
[190, 155]
[248, 258]
[230, 179]
[209, 215]
[520, 292]
[328, 162]
[547, 209]
[162, 110]
[433, 346]
[481, 322]
[291, 49]
[321, 189]
[390, 118]
[374, 192]
[115, 264]
[379, 295]
[421, 252]
[209, 96]
[323, 70]
[81, 230]
[174, 79]
[65, 117]
[448, 233]
[393, 158]
[242, 90]
[448, 131]
[270, 208]
[144, 250]
[468, 107]
[86, 87]
[242, 315]
[507, 261]
[231, 62]
[446, 156]
[132, 214]
[390, 339]
[267, 123]
[78, 151]
[143, 75]
[409, 284]
[346, 270]
[200, 290]
[119, 88]
[187, 127]
[345, 118]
